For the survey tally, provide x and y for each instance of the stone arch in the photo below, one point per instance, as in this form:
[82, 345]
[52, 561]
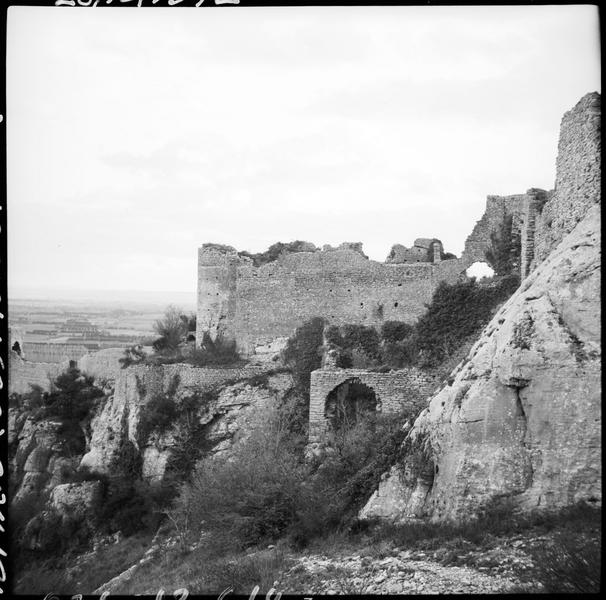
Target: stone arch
[349, 402]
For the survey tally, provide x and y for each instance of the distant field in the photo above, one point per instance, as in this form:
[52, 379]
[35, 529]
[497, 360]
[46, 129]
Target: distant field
[119, 322]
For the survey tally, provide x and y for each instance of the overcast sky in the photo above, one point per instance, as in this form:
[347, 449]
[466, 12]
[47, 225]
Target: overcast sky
[136, 135]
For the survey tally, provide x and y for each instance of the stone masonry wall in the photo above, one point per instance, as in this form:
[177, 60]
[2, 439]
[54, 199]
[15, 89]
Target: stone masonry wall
[47, 352]
[394, 390]
[158, 379]
[22, 374]
[255, 305]
[102, 365]
[578, 175]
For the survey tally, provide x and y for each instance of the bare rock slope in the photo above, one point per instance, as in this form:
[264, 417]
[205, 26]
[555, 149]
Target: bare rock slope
[521, 416]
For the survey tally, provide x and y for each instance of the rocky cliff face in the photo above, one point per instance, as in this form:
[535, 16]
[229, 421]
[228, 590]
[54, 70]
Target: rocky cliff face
[216, 414]
[521, 417]
[205, 415]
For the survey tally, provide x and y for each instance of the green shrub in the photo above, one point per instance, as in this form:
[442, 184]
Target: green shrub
[356, 345]
[214, 352]
[171, 329]
[127, 505]
[74, 396]
[504, 252]
[251, 498]
[400, 353]
[157, 415]
[395, 331]
[266, 490]
[133, 355]
[456, 312]
[331, 496]
[303, 353]
[361, 338]
[571, 564]
[333, 336]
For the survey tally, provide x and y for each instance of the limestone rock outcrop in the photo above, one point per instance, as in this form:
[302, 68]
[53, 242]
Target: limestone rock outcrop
[521, 417]
[39, 461]
[75, 499]
[222, 410]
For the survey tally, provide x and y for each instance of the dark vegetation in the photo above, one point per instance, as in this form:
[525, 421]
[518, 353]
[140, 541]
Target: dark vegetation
[456, 313]
[72, 402]
[214, 353]
[302, 355]
[125, 503]
[173, 329]
[505, 249]
[269, 492]
[274, 251]
[177, 344]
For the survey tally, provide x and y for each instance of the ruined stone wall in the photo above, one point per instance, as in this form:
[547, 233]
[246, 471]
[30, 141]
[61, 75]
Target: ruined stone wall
[394, 391]
[102, 365]
[578, 176]
[22, 374]
[497, 208]
[47, 352]
[157, 379]
[255, 305]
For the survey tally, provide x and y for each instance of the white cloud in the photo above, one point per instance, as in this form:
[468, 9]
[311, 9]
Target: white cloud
[135, 136]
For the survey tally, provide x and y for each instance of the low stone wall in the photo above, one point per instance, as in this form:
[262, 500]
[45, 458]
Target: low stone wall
[22, 374]
[158, 379]
[49, 352]
[394, 390]
[102, 365]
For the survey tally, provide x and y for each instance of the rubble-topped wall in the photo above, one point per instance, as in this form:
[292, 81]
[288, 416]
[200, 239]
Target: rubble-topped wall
[255, 305]
[578, 175]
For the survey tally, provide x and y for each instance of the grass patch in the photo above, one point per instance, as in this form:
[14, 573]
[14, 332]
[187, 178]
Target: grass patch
[209, 569]
[66, 576]
[496, 521]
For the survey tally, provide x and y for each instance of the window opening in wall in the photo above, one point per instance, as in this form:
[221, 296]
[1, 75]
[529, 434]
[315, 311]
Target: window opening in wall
[395, 305]
[17, 348]
[479, 270]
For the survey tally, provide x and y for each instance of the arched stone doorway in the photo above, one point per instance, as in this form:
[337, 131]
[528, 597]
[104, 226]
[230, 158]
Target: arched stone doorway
[348, 403]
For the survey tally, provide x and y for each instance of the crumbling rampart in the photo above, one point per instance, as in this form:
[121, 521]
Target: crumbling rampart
[256, 305]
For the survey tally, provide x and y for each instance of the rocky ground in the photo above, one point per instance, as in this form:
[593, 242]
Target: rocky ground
[466, 570]
[497, 565]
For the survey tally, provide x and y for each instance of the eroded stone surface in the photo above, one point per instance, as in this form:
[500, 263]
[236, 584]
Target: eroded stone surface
[522, 417]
